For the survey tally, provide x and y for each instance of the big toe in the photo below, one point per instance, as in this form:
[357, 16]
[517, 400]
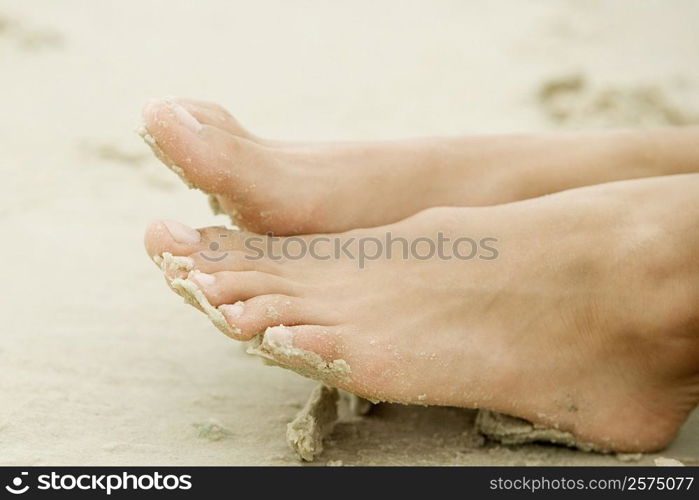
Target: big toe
[171, 236]
[203, 155]
[214, 245]
[209, 113]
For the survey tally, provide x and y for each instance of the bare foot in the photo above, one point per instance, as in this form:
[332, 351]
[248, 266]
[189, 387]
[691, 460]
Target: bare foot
[284, 188]
[586, 320]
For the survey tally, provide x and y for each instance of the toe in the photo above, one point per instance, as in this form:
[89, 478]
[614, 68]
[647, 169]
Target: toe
[213, 243]
[254, 316]
[215, 115]
[228, 287]
[290, 345]
[210, 249]
[208, 261]
[171, 236]
[222, 239]
[202, 154]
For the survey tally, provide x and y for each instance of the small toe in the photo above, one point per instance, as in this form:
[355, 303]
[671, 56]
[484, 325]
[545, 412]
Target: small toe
[255, 315]
[287, 344]
[210, 262]
[228, 287]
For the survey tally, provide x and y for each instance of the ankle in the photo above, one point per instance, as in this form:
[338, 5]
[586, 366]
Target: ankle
[532, 165]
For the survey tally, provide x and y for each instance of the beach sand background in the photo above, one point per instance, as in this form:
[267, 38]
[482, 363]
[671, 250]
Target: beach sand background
[99, 362]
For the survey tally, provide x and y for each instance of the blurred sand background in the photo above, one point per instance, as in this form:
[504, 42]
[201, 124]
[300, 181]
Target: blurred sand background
[99, 362]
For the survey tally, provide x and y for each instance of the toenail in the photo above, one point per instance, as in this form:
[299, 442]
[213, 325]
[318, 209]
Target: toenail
[185, 118]
[233, 310]
[181, 233]
[278, 335]
[149, 105]
[203, 279]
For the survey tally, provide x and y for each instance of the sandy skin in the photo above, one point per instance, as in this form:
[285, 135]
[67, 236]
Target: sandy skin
[591, 331]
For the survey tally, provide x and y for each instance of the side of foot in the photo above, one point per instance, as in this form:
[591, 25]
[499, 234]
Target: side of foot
[283, 188]
[296, 188]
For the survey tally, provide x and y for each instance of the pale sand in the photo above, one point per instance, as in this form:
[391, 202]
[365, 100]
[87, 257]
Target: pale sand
[101, 363]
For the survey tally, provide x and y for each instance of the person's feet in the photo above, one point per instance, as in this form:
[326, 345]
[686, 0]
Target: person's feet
[587, 320]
